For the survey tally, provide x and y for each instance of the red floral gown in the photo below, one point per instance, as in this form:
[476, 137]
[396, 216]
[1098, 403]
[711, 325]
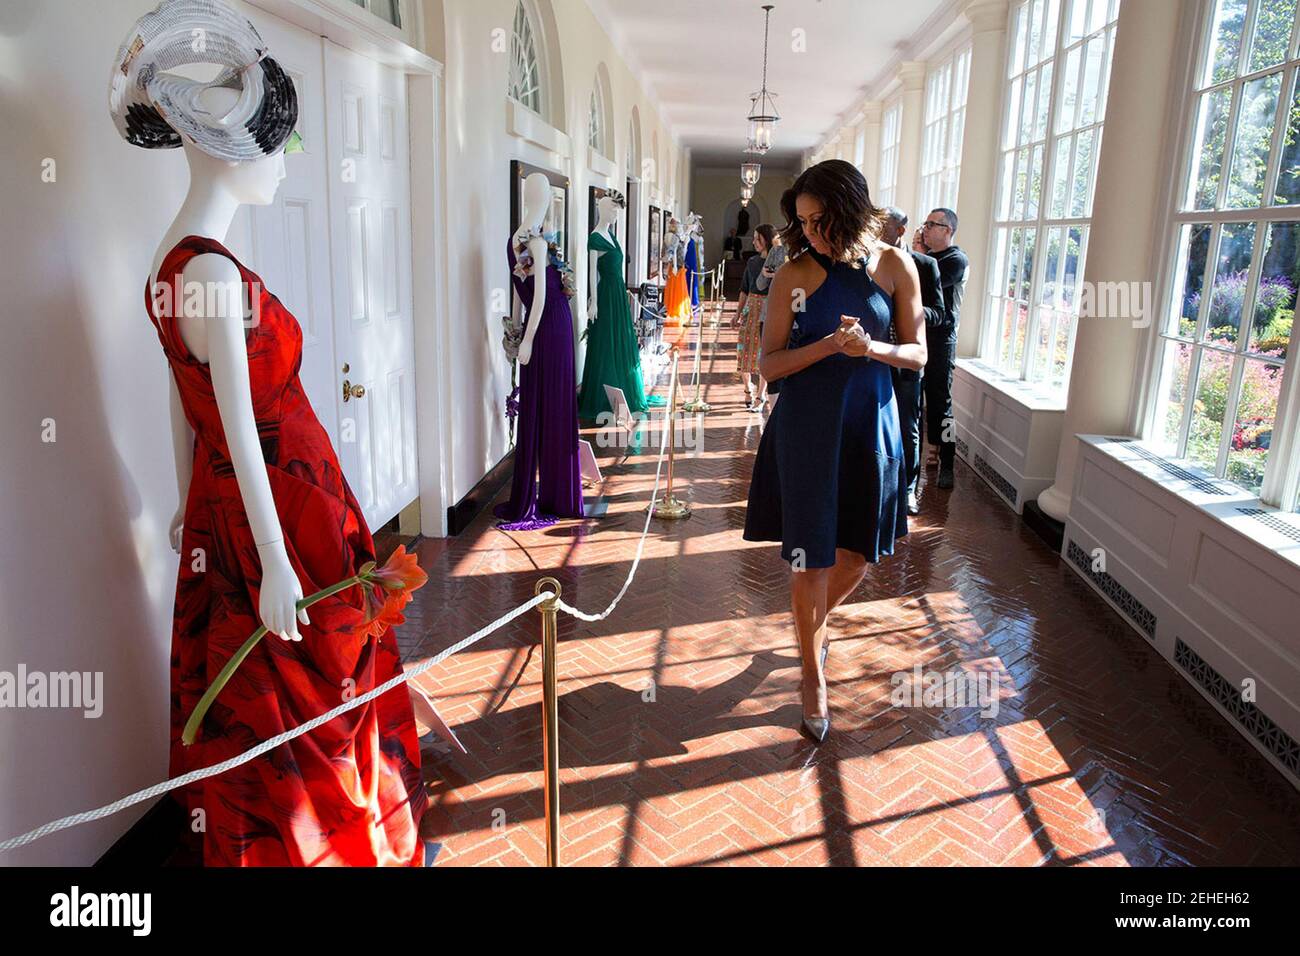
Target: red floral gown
[348, 793]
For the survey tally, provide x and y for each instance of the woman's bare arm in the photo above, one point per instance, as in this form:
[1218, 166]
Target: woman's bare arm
[778, 359]
[896, 274]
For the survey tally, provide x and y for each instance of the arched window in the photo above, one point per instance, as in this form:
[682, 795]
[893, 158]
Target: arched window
[525, 64]
[596, 119]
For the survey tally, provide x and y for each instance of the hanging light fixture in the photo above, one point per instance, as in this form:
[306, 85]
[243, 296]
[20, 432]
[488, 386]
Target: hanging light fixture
[746, 193]
[749, 173]
[763, 116]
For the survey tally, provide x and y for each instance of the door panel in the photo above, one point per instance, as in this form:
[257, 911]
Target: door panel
[371, 238]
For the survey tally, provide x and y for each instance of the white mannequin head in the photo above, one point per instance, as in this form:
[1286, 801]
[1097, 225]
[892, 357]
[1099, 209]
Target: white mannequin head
[537, 199]
[607, 211]
[254, 183]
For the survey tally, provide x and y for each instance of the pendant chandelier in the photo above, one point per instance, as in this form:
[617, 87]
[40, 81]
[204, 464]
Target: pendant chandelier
[763, 116]
[746, 193]
[749, 173]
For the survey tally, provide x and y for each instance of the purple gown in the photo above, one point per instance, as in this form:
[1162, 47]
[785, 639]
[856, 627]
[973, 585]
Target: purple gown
[547, 483]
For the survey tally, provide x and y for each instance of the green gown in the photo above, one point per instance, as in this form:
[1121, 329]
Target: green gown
[612, 355]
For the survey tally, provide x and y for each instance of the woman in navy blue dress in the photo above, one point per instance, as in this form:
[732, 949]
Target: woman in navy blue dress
[828, 478]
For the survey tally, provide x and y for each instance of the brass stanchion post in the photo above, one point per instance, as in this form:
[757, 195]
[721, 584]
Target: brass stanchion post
[668, 506]
[550, 720]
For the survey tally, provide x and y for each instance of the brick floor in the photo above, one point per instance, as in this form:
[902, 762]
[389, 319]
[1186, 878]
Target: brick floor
[679, 712]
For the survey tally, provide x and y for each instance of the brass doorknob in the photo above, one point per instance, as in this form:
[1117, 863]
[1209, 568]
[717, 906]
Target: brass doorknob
[353, 391]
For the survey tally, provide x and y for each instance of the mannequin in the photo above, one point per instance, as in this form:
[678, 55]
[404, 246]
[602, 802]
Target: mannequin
[347, 775]
[217, 190]
[547, 482]
[694, 256]
[677, 297]
[613, 357]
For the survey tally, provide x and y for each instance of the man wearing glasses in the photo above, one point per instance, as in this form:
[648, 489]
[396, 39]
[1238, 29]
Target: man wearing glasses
[935, 238]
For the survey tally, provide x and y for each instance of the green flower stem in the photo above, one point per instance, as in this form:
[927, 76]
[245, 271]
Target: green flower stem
[201, 709]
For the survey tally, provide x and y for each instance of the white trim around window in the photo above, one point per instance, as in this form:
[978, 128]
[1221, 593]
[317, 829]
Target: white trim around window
[943, 131]
[891, 137]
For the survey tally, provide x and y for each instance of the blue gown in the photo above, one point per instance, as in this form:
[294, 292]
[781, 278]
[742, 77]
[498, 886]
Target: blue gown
[693, 264]
[829, 471]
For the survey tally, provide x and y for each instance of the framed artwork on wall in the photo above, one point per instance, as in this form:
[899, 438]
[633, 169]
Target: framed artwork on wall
[652, 247]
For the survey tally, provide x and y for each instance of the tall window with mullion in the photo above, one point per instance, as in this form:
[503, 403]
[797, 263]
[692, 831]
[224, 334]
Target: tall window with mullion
[1235, 252]
[525, 83]
[1058, 71]
[945, 123]
[891, 133]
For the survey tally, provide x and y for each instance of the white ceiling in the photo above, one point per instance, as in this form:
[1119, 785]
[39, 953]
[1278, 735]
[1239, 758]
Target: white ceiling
[702, 58]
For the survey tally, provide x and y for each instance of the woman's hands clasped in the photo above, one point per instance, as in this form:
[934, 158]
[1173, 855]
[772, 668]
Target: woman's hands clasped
[851, 338]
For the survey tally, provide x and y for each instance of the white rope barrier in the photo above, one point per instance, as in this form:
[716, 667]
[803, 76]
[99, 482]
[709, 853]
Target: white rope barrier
[194, 776]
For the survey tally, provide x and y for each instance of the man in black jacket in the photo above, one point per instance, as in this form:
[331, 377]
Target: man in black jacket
[908, 382]
[936, 237]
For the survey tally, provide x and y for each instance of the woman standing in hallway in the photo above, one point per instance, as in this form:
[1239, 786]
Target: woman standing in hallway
[750, 309]
[829, 475]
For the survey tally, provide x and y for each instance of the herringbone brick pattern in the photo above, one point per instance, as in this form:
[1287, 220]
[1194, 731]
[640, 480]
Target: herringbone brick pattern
[679, 712]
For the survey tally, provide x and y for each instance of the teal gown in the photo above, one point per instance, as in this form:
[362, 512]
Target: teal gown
[612, 355]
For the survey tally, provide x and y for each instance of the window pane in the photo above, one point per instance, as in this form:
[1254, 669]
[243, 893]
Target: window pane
[1021, 335]
[1091, 80]
[1006, 346]
[1272, 36]
[1275, 297]
[1027, 265]
[1008, 181]
[1027, 112]
[1231, 273]
[1208, 408]
[1229, 21]
[1022, 178]
[1073, 267]
[1098, 18]
[1211, 135]
[1069, 91]
[1078, 23]
[1083, 157]
[1062, 347]
[1035, 187]
[1033, 51]
[1018, 54]
[1015, 259]
[1175, 369]
[1012, 128]
[1252, 432]
[1040, 359]
[1255, 120]
[1193, 247]
[1051, 269]
[1288, 173]
[1044, 101]
[1061, 178]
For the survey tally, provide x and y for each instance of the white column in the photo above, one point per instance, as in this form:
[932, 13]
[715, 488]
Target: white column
[911, 73]
[1131, 172]
[872, 111]
[979, 161]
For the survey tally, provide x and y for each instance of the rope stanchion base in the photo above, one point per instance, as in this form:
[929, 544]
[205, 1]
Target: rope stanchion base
[669, 507]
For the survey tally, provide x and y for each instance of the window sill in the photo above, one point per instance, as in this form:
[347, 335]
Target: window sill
[1229, 505]
[527, 125]
[1034, 398]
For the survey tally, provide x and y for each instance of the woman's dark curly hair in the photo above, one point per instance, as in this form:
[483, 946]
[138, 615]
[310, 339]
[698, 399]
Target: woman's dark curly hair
[849, 217]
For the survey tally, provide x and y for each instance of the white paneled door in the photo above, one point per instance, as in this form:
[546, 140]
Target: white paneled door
[370, 243]
[290, 247]
[336, 249]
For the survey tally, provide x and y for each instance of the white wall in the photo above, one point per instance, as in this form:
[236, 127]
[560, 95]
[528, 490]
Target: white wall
[88, 577]
[89, 580]
[713, 189]
[479, 151]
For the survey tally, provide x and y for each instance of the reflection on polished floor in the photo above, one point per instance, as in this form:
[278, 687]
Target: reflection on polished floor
[679, 713]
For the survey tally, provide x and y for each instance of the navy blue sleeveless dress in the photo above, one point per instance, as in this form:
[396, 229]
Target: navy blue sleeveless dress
[829, 472]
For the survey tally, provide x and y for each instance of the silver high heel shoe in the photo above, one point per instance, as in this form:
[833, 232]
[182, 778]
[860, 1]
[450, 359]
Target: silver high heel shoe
[818, 727]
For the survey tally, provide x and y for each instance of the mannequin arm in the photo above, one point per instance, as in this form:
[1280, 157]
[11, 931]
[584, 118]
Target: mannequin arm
[183, 450]
[541, 261]
[228, 365]
[593, 270]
